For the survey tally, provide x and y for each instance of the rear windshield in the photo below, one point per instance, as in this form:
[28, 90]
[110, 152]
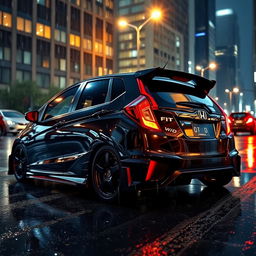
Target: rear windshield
[170, 96]
[239, 115]
[11, 114]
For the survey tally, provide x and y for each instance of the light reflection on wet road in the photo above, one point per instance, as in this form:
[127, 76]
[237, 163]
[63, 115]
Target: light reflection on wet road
[40, 218]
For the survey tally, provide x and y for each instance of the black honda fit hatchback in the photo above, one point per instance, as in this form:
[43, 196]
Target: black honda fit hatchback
[147, 129]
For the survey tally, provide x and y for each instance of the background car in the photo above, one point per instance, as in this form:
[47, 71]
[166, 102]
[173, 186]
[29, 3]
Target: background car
[142, 130]
[14, 121]
[242, 122]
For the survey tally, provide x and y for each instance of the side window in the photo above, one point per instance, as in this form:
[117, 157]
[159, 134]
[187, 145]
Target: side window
[94, 93]
[60, 105]
[117, 88]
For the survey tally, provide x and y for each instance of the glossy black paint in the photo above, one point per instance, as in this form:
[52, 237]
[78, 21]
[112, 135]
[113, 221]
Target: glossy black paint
[61, 148]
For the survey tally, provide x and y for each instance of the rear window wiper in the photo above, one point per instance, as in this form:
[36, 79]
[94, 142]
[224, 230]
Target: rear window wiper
[194, 105]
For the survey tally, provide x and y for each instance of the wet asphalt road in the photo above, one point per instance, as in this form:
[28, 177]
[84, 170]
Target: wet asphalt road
[40, 218]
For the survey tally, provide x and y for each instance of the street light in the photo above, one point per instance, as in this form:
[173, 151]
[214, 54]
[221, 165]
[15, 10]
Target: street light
[230, 93]
[211, 66]
[155, 15]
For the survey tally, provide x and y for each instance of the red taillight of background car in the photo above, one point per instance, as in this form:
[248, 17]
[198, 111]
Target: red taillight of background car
[249, 120]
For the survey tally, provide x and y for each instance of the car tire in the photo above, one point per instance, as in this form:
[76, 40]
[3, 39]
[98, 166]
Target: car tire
[216, 181]
[105, 174]
[20, 163]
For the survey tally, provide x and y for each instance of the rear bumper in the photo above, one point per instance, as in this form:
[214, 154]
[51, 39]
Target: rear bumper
[162, 170]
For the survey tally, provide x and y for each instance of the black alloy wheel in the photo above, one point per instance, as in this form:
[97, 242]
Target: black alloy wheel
[216, 181]
[105, 174]
[20, 163]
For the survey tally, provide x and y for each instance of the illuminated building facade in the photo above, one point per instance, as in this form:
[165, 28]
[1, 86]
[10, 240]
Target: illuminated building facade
[227, 47]
[55, 42]
[205, 35]
[163, 41]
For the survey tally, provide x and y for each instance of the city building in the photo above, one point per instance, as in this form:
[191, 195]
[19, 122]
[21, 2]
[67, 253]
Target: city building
[55, 42]
[163, 42]
[227, 50]
[205, 37]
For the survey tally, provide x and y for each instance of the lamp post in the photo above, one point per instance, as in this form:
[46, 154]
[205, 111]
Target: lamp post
[155, 15]
[230, 93]
[211, 66]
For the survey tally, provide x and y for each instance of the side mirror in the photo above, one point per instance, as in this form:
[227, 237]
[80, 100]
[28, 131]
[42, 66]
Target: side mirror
[32, 116]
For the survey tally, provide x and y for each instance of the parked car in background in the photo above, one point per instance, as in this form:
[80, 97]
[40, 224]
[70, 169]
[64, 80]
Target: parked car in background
[14, 121]
[2, 126]
[147, 129]
[242, 122]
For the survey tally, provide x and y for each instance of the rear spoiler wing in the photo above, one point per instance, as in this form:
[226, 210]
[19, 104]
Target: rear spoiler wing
[199, 85]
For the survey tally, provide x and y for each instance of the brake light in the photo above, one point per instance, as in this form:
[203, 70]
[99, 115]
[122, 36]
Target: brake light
[249, 120]
[226, 120]
[140, 109]
[145, 92]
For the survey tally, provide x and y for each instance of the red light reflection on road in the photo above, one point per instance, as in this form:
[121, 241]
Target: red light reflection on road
[246, 146]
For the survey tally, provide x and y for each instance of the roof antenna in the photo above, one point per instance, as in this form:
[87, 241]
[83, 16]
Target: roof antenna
[165, 64]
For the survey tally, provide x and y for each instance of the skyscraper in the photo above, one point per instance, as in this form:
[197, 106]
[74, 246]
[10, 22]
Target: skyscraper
[55, 41]
[205, 35]
[227, 47]
[163, 42]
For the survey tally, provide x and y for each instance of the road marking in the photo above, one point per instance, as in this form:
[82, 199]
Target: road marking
[187, 233]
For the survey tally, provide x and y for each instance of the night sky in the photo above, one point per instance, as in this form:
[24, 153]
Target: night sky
[244, 11]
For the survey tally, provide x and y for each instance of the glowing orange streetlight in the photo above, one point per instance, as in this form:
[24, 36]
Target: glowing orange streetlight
[211, 66]
[155, 15]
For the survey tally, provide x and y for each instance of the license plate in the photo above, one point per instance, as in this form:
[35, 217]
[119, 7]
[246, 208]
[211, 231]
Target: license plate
[239, 122]
[202, 130]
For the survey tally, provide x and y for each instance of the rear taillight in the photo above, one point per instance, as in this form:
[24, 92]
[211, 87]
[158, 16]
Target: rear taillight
[225, 121]
[249, 120]
[140, 109]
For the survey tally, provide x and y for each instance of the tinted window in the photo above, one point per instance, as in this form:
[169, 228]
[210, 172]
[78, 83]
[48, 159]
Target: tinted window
[12, 114]
[93, 94]
[239, 115]
[61, 104]
[175, 95]
[117, 88]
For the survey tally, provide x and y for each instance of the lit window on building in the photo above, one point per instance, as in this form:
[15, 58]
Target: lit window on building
[74, 40]
[109, 66]
[109, 51]
[99, 66]
[60, 81]
[45, 3]
[60, 36]
[5, 19]
[98, 47]
[87, 44]
[43, 30]
[109, 4]
[60, 58]
[5, 44]
[124, 37]
[77, 2]
[24, 25]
